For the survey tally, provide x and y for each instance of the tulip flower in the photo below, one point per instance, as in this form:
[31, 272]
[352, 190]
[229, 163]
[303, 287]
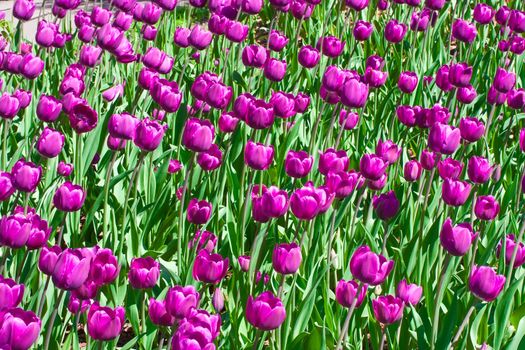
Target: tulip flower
[104, 323]
[372, 166]
[258, 156]
[388, 309]
[486, 208]
[407, 82]
[409, 293]
[479, 169]
[26, 175]
[464, 31]
[471, 129]
[265, 312]
[198, 135]
[48, 259]
[274, 69]
[330, 46]
[181, 300]
[449, 168]
[9, 106]
[455, 192]
[203, 240]
[485, 283]
[286, 258]
[69, 197]
[159, 314]
[71, 269]
[19, 329]
[386, 205]
[306, 202]
[149, 134]
[510, 245]
[347, 291]
[254, 56]
[12, 293]
[369, 267]
[308, 56]
[354, 93]
[362, 30]
[443, 138]
[7, 187]
[143, 273]
[209, 268]
[428, 159]
[165, 93]
[412, 170]
[483, 13]
[104, 267]
[199, 329]
[395, 31]
[199, 38]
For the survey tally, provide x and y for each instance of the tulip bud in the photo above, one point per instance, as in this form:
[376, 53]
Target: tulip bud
[412, 170]
[386, 205]
[209, 268]
[464, 31]
[69, 197]
[266, 312]
[455, 192]
[395, 31]
[369, 267]
[198, 135]
[486, 208]
[198, 212]
[449, 168]
[485, 283]
[347, 291]
[274, 69]
[388, 309]
[104, 323]
[510, 245]
[258, 156]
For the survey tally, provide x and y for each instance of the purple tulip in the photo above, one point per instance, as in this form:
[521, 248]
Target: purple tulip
[420, 20]
[71, 269]
[412, 170]
[198, 135]
[347, 291]
[485, 283]
[83, 118]
[277, 41]
[388, 150]
[409, 293]
[449, 168]
[149, 134]
[444, 138]
[455, 192]
[50, 143]
[11, 293]
[283, 104]
[486, 208]
[104, 267]
[504, 81]
[251, 7]
[286, 258]
[24, 9]
[407, 82]
[69, 197]
[456, 239]
[209, 268]
[386, 205]
[105, 323]
[479, 169]
[348, 120]
[395, 31]
[471, 129]
[354, 93]
[48, 258]
[258, 156]
[274, 69]
[158, 313]
[460, 74]
[7, 187]
[9, 106]
[483, 13]
[510, 245]
[388, 309]
[332, 160]
[143, 273]
[203, 240]
[466, 94]
[26, 175]
[306, 202]
[198, 212]
[517, 21]
[516, 99]
[308, 56]
[198, 330]
[211, 159]
[265, 312]
[166, 94]
[362, 30]
[199, 38]
[19, 329]
[254, 56]
[357, 5]
[228, 122]
[372, 166]
[464, 31]
[369, 267]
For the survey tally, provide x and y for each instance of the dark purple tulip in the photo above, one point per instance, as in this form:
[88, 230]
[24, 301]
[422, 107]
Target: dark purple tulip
[428, 159]
[456, 239]
[407, 114]
[471, 129]
[15, 230]
[83, 118]
[48, 259]
[502, 15]
[166, 93]
[104, 323]
[199, 38]
[369, 267]
[198, 212]
[109, 38]
[275, 69]
[483, 13]
[258, 156]
[333, 78]
[228, 122]
[203, 240]
[69, 197]
[266, 312]
[504, 81]
[464, 31]
[274, 202]
[26, 175]
[379, 184]
[444, 138]
[198, 135]
[159, 314]
[388, 150]
[150, 13]
[412, 170]
[330, 46]
[510, 245]
[388, 309]
[283, 105]
[209, 268]
[71, 269]
[277, 41]
[115, 143]
[199, 329]
[460, 74]
[395, 31]
[19, 329]
[211, 159]
[306, 202]
[486, 208]
[308, 56]
[449, 168]
[455, 192]
[50, 143]
[386, 205]
[407, 82]
[372, 167]
[167, 5]
[495, 97]
[516, 99]
[347, 291]
[354, 93]
[362, 30]
[254, 56]
[104, 267]
[485, 283]
[286, 258]
[357, 5]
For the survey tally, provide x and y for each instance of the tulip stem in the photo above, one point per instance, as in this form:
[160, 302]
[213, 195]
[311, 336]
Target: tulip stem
[256, 340]
[4, 145]
[514, 254]
[316, 127]
[43, 297]
[475, 250]
[161, 340]
[462, 326]
[439, 298]
[21, 264]
[281, 287]
[358, 204]
[425, 203]
[329, 248]
[62, 227]
[143, 311]
[344, 330]
[398, 333]
[189, 171]
[4, 259]
[106, 195]
[52, 319]
[385, 238]
[383, 338]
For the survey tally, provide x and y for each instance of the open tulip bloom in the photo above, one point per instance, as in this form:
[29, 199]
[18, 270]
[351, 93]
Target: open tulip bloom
[258, 174]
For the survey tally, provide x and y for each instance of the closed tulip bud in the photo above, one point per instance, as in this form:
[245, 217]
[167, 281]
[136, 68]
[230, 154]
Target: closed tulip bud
[486, 208]
[420, 20]
[69, 197]
[26, 175]
[23, 97]
[166, 94]
[379, 184]
[483, 13]
[274, 69]
[149, 134]
[86, 33]
[333, 78]
[306, 202]
[274, 202]
[31, 66]
[217, 24]
[104, 267]
[395, 31]
[83, 118]
[11, 292]
[308, 56]
[449, 168]
[388, 150]
[435, 4]
[298, 164]
[407, 114]
[199, 38]
[7, 187]
[209, 268]
[331, 46]
[266, 312]
[143, 273]
[104, 323]
[332, 160]
[407, 82]
[219, 95]
[516, 99]
[9, 106]
[277, 41]
[251, 7]
[471, 129]
[181, 300]
[123, 20]
[50, 143]
[258, 156]
[517, 21]
[455, 192]
[466, 94]
[386, 205]
[198, 212]
[244, 262]
[203, 240]
[409, 293]
[159, 314]
[76, 305]
[24, 9]
[181, 37]
[150, 13]
[45, 33]
[388, 309]
[375, 78]
[442, 78]
[254, 56]
[444, 138]
[412, 170]
[15, 230]
[382, 5]
[48, 258]
[228, 122]
[517, 45]
[347, 291]
[348, 120]
[479, 169]
[495, 98]
[286, 258]
[236, 31]
[354, 93]
[485, 283]
[19, 329]
[115, 143]
[113, 92]
[464, 31]
[502, 15]
[281, 5]
[198, 135]
[211, 159]
[372, 167]
[167, 5]
[460, 74]
[510, 245]
[362, 30]
[48, 108]
[71, 269]
[369, 267]
[283, 104]
[428, 159]
[456, 240]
